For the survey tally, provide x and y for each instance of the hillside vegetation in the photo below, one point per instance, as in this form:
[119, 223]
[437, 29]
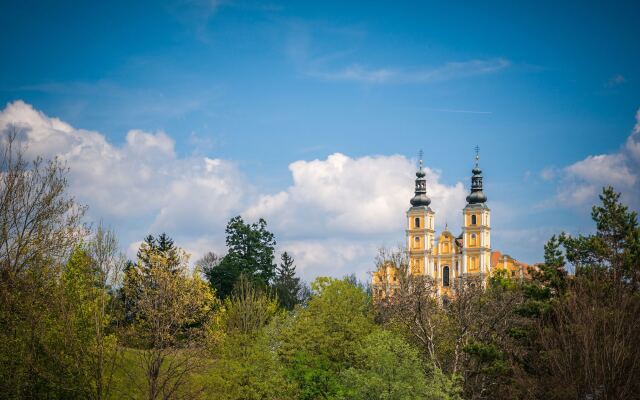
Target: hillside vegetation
[80, 321]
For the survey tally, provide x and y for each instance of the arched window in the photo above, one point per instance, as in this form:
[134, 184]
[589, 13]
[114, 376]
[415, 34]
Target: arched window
[473, 239]
[445, 276]
[417, 222]
[473, 220]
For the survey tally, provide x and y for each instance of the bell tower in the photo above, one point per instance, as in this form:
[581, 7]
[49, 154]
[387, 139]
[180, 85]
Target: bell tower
[420, 227]
[476, 231]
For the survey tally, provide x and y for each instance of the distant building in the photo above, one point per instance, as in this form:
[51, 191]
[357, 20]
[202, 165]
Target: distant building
[449, 257]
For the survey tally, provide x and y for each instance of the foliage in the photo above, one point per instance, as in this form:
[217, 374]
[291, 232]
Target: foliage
[250, 252]
[171, 306]
[247, 366]
[385, 367]
[286, 284]
[590, 339]
[40, 225]
[321, 340]
[73, 327]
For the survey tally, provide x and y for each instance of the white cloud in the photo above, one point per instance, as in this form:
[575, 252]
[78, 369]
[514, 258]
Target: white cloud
[141, 181]
[583, 180]
[366, 195]
[633, 142]
[604, 169]
[332, 218]
[331, 257]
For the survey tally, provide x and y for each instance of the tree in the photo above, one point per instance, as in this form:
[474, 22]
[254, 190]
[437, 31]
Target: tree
[386, 367]
[85, 352]
[137, 274]
[286, 284]
[208, 262]
[250, 252]
[40, 224]
[107, 265]
[164, 245]
[320, 340]
[170, 311]
[247, 366]
[589, 338]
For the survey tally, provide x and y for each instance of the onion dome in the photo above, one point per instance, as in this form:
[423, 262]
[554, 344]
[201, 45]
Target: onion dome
[421, 198]
[476, 196]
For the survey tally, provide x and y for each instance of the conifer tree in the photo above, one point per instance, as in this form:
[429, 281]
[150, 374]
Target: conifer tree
[286, 284]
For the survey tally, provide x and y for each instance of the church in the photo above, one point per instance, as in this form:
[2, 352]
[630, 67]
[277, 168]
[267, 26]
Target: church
[448, 257]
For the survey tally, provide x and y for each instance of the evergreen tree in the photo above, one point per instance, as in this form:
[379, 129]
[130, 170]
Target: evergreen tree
[164, 246]
[140, 273]
[250, 252]
[286, 284]
[614, 248]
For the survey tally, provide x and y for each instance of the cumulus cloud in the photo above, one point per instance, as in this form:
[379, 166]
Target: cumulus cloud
[366, 195]
[332, 218]
[142, 181]
[340, 209]
[581, 181]
[633, 141]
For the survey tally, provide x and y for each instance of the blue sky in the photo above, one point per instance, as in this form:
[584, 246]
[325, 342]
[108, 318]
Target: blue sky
[549, 91]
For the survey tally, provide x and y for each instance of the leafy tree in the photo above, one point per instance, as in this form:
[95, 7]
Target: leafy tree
[286, 284]
[208, 262]
[170, 311]
[250, 252]
[320, 341]
[386, 367]
[40, 225]
[589, 340]
[247, 366]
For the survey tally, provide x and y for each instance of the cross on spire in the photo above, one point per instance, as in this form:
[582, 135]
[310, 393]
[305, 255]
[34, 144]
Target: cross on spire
[420, 158]
[477, 154]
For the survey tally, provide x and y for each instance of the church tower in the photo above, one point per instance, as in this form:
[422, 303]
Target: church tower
[476, 231]
[420, 228]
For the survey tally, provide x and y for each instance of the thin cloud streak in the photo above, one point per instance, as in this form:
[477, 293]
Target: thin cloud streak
[449, 110]
[445, 72]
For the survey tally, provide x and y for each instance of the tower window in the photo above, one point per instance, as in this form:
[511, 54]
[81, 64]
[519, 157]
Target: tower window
[473, 220]
[417, 222]
[473, 239]
[445, 276]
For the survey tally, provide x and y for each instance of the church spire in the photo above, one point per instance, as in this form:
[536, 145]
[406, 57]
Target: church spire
[476, 196]
[420, 198]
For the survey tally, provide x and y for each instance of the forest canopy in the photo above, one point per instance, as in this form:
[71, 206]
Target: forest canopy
[80, 321]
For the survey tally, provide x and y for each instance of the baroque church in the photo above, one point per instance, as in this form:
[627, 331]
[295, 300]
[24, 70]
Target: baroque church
[448, 257]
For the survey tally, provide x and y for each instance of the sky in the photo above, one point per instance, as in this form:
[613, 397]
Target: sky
[176, 116]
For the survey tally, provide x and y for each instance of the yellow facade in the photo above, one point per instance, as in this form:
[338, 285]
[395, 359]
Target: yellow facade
[448, 258]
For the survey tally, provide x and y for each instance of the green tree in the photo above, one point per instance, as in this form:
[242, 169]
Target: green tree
[247, 366]
[40, 225]
[286, 284]
[139, 273]
[319, 342]
[250, 252]
[171, 309]
[589, 338]
[163, 244]
[386, 367]
[615, 247]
